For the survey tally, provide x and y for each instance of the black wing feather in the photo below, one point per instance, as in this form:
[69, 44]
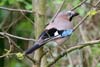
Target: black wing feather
[44, 35]
[48, 33]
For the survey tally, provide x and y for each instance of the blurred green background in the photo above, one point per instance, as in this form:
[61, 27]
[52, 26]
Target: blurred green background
[22, 24]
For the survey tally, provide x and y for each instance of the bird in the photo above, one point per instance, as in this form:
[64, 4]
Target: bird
[61, 26]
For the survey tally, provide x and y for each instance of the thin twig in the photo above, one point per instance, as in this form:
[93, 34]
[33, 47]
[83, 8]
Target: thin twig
[21, 50]
[7, 53]
[31, 59]
[27, 18]
[97, 3]
[43, 55]
[80, 23]
[13, 36]
[16, 10]
[79, 46]
[79, 5]
[10, 49]
[83, 19]
[14, 22]
[58, 11]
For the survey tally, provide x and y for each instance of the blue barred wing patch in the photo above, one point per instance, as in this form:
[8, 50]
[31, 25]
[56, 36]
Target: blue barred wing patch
[67, 32]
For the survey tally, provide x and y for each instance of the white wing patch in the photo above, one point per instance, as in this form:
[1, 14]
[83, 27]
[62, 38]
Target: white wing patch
[56, 33]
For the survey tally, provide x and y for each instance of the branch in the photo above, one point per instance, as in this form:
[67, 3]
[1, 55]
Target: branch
[10, 49]
[58, 11]
[8, 53]
[13, 36]
[79, 5]
[14, 22]
[21, 50]
[16, 10]
[97, 3]
[79, 46]
[84, 18]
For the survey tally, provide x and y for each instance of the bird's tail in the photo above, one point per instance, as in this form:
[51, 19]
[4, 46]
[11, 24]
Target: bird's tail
[40, 42]
[33, 48]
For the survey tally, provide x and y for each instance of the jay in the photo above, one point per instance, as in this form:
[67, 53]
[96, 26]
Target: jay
[61, 26]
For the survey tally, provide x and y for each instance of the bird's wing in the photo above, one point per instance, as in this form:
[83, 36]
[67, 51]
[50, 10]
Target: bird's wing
[48, 34]
[44, 35]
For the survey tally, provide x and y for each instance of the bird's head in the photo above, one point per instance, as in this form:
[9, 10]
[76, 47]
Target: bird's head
[68, 14]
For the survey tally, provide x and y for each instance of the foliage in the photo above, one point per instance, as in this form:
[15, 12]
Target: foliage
[23, 25]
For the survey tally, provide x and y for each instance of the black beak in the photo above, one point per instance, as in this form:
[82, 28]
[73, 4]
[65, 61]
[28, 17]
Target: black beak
[76, 14]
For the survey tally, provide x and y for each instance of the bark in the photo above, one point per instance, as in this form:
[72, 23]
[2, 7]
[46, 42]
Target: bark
[40, 9]
[1, 52]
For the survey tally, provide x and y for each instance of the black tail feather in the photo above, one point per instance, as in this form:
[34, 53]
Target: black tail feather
[32, 49]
